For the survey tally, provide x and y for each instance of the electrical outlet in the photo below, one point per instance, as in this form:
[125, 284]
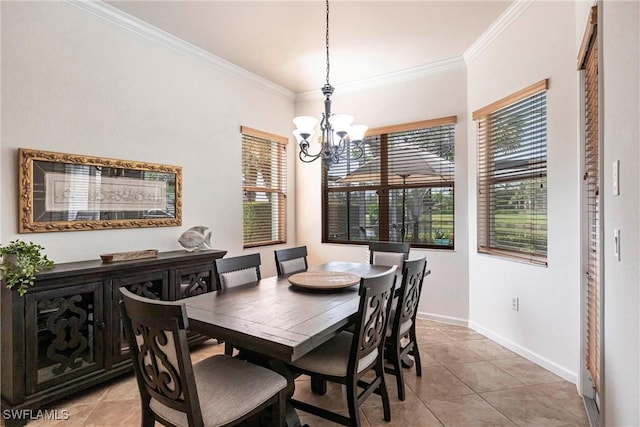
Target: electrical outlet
[515, 303]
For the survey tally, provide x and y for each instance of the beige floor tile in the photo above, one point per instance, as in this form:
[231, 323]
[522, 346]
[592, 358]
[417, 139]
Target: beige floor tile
[489, 350]
[403, 414]
[463, 334]
[125, 388]
[565, 394]
[452, 353]
[314, 421]
[116, 413]
[484, 376]
[527, 372]
[530, 407]
[466, 411]
[436, 382]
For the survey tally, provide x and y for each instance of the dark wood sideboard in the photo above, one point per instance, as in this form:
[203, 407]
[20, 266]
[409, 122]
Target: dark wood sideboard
[65, 334]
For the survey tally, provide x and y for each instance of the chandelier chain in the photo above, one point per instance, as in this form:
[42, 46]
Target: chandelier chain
[327, 42]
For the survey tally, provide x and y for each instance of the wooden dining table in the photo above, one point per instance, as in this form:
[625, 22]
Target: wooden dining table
[275, 318]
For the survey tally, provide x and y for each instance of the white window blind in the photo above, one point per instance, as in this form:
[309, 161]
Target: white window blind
[264, 188]
[588, 63]
[512, 176]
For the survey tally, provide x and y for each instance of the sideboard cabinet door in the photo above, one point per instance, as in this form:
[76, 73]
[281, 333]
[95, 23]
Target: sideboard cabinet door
[153, 285]
[64, 334]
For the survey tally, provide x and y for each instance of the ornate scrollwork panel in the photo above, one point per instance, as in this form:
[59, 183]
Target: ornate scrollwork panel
[374, 327]
[67, 322]
[144, 289]
[194, 284]
[155, 364]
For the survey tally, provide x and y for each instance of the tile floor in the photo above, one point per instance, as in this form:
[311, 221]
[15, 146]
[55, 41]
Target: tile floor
[467, 380]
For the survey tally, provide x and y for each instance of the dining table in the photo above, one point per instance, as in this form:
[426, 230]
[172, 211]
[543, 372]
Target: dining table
[278, 319]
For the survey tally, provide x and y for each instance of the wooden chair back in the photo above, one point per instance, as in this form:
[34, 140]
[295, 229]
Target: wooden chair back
[157, 336]
[388, 253]
[237, 271]
[376, 293]
[291, 260]
[409, 295]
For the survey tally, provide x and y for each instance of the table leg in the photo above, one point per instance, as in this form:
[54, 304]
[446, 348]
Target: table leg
[318, 385]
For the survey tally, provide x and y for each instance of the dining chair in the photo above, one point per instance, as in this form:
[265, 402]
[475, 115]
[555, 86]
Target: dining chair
[237, 271]
[291, 260]
[401, 339]
[348, 357]
[388, 253]
[218, 391]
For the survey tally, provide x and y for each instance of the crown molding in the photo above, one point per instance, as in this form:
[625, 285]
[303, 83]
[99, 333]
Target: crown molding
[502, 23]
[394, 77]
[144, 29]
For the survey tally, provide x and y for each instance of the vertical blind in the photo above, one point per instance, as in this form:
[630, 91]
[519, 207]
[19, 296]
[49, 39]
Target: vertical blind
[512, 176]
[264, 177]
[588, 62]
[400, 190]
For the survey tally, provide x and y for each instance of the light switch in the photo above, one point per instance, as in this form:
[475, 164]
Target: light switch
[616, 178]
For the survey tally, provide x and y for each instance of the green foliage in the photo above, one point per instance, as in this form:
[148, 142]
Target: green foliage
[20, 263]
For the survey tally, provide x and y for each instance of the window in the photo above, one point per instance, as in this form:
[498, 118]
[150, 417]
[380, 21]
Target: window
[264, 188]
[512, 176]
[401, 189]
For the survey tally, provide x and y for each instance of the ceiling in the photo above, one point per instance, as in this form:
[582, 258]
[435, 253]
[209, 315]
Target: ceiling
[284, 41]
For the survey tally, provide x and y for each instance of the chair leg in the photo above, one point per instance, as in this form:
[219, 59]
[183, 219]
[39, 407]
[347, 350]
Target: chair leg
[352, 403]
[228, 349]
[415, 352]
[279, 409]
[386, 407]
[397, 366]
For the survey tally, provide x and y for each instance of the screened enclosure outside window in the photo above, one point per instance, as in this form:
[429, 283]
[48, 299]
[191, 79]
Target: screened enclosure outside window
[401, 189]
[263, 188]
[512, 176]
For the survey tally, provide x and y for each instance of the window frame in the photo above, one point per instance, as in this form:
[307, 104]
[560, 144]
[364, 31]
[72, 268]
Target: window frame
[485, 218]
[382, 132]
[279, 189]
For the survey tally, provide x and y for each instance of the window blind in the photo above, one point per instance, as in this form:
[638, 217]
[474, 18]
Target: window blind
[588, 62]
[512, 176]
[400, 190]
[263, 188]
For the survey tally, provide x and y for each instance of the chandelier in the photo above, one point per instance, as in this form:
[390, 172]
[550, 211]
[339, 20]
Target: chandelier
[340, 139]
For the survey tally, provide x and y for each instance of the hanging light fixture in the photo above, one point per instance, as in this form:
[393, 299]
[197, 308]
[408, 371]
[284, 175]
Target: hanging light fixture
[339, 139]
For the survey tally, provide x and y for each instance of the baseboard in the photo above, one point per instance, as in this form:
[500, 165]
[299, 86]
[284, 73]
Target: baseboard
[527, 354]
[444, 319]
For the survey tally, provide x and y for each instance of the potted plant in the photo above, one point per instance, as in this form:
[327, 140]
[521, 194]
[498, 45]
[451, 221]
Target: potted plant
[441, 237]
[20, 263]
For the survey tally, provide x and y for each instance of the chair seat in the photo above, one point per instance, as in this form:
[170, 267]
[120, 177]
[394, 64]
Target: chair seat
[228, 389]
[331, 358]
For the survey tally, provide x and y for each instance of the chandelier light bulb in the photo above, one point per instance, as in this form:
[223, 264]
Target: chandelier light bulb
[305, 124]
[356, 132]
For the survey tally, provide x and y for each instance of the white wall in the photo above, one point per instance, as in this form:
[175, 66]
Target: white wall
[432, 96]
[539, 44]
[73, 82]
[621, 95]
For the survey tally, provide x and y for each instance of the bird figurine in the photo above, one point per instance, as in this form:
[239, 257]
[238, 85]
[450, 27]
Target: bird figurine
[198, 237]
